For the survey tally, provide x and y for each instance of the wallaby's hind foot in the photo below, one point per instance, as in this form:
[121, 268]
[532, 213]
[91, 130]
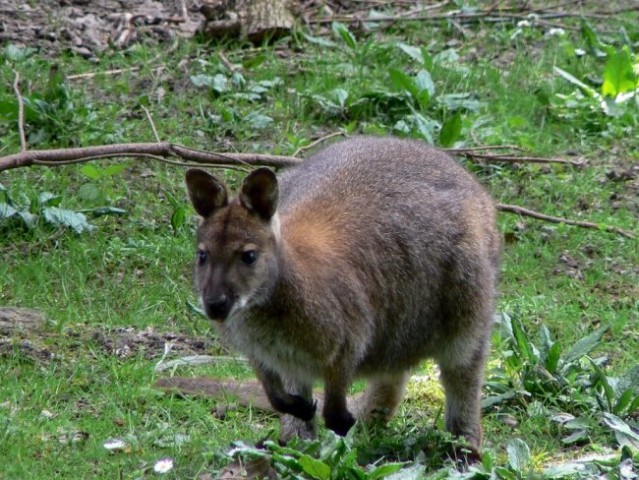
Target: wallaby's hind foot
[381, 398]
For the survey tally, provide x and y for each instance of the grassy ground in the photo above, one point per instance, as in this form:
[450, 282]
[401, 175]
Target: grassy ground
[115, 295]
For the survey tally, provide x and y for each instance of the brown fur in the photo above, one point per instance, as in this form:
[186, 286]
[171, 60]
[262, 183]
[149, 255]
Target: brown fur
[372, 255]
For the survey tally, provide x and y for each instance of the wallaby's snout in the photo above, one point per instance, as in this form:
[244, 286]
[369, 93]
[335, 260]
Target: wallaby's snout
[217, 308]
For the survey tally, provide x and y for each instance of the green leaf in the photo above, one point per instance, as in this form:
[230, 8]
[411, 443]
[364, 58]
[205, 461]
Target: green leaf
[618, 76]
[49, 199]
[552, 357]
[114, 169]
[202, 80]
[525, 347]
[624, 434]
[178, 218]
[258, 121]
[585, 345]
[321, 41]
[384, 470]
[315, 468]
[102, 211]
[415, 472]
[627, 398]
[451, 130]
[89, 192]
[7, 211]
[343, 31]
[91, 171]
[403, 82]
[424, 83]
[67, 218]
[518, 455]
[591, 92]
[17, 54]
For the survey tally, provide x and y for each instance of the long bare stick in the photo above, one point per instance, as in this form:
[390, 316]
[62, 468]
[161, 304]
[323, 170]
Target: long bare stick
[16, 89]
[473, 155]
[27, 158]
[549, 218]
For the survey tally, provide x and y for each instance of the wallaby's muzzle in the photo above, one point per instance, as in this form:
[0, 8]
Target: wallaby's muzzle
[217, 308]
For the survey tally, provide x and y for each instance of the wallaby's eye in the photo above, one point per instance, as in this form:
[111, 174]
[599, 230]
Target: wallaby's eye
[201, 257]
[249, 257]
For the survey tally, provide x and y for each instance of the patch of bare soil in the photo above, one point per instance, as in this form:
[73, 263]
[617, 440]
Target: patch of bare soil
[88, 27]
[24, 332]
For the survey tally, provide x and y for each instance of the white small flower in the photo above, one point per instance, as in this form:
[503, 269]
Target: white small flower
[163, 466]
[114, 444]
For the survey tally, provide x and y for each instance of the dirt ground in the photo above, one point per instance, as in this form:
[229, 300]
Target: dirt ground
[88, 27]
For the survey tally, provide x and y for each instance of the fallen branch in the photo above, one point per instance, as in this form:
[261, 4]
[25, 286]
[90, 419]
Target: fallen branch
[471, 154]
[549, 218]
[63, 156]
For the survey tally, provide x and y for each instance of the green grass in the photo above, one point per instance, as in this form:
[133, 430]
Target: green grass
[134, 270]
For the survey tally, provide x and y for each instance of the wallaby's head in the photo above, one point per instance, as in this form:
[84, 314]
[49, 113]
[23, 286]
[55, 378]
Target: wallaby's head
[236, 262]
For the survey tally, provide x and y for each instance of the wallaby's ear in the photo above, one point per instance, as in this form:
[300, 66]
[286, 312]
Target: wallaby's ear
[206, 192]
[259, 192]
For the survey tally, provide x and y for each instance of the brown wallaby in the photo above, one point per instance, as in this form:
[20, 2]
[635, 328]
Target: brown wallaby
[368, 257]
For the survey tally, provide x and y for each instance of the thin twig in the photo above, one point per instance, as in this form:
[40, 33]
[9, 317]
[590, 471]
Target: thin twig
[148, 116]
[549, 218]
[314, 143]
[116, 71]
[514, 158]
[16, 89]
[459, 151]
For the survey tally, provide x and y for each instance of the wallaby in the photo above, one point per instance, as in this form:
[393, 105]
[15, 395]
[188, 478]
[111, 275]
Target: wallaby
[371, 255]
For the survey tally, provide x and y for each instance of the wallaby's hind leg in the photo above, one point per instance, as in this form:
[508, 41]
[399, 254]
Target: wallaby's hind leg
[291, 426]
[381, 398]
[461, 376]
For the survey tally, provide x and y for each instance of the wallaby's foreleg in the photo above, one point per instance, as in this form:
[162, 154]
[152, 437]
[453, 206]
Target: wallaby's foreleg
[461, 376]
[283, 401]
[336, 414]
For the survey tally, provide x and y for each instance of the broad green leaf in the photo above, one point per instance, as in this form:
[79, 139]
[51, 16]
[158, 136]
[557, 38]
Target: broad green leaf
[113, 169]
[602, 380]
[624, 401]
[525, 347]
[585, 345]
[178, 218]
[315, 468]
[321, 41]
[451, 130]
[7, 211]
[67, 218]
[415, 472]
[202, 80]
[575, 81]
[258, 121]
[460, 101]
[49, 199]
[518, 455]
[624, 434]
[552, 357]
[384, 471]
[424, 82]
[91, 171]
[343, 31]
[404, 82]
[17, 54]
[89, 192]
[578, 436]
[618, 76]
[420, 55]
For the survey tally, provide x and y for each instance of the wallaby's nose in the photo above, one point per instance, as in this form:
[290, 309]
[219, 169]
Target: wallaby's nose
[217, 308]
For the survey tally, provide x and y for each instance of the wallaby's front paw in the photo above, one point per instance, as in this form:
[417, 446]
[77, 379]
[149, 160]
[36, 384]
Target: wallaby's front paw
[302, 408]
[339, 422]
